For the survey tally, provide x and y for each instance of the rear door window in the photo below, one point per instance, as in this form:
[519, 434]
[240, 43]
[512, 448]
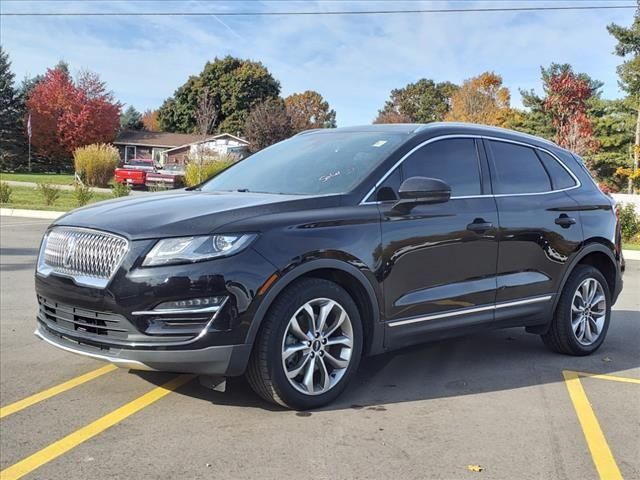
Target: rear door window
[517, 169]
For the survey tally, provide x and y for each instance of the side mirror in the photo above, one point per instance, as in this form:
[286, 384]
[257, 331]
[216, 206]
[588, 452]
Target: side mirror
[421, 191]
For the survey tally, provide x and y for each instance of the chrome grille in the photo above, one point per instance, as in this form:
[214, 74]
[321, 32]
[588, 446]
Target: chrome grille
[90, 257]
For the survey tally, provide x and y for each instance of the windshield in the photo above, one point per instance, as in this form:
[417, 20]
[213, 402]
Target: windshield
[139, 163]
[310, 164]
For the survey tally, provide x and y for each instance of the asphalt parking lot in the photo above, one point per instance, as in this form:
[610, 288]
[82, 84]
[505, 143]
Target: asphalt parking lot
[497, 405]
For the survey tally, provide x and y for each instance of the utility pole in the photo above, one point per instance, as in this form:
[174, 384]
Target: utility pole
[636, 152]
[29, 134]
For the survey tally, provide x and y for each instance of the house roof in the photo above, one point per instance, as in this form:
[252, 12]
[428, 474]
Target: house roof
[210, 139]
[220, 135]
[155, 139]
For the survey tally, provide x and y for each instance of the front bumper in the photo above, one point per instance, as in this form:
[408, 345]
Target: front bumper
[224, 360]
[117, 324]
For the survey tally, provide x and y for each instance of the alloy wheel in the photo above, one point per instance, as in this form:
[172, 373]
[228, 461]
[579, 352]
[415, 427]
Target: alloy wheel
[588, 311]
[317, 346]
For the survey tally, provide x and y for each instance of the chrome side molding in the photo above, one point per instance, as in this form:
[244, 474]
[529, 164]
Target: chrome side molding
[466, 311]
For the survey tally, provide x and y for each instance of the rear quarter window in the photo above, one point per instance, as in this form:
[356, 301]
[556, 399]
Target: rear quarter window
[560, 178]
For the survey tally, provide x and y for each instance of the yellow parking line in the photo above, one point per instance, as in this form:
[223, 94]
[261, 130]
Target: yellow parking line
[600, 451]
[53, 391]
[613, 378]
[62, 446]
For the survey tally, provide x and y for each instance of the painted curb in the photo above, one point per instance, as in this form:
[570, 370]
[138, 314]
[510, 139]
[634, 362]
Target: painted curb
[17, 212]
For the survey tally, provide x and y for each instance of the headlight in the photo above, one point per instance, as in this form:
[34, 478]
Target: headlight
[196, 249]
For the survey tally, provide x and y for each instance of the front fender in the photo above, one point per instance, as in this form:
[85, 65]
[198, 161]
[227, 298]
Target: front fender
[306, 266]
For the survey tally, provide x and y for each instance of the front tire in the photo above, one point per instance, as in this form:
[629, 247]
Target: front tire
[308, 347]
[582, 316]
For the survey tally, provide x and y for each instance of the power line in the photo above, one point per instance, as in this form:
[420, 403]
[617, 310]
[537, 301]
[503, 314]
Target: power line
[291, 1]
[282, 1]
[308, 13]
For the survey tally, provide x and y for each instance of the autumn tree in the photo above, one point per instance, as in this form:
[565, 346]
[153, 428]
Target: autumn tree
[538, 119]
[12, 134]
[150, 120]
[67, 114]
[267, 123]
[566, 102]
[482, 99]
[235, 85]
[421, 102]
[309, 110]
[131, 119]
[392, 117]
[628, 47]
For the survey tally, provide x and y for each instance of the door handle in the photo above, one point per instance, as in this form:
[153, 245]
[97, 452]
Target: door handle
[479, 225]
[565, 221]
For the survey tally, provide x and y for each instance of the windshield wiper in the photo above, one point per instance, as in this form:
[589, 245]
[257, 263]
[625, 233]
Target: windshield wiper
[243, 190]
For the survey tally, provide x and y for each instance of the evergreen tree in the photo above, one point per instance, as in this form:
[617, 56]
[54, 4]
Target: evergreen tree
[234, 85]
[628, 47]
[12, 135]
[131, 119]
[421, 102]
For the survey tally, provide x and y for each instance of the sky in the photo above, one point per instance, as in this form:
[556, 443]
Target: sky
[353, 61]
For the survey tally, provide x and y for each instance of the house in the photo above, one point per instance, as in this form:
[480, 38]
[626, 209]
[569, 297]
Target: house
[175, 148]
[142, 144]
[216, 145]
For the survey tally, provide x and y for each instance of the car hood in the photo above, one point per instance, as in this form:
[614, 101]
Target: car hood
[183, 212]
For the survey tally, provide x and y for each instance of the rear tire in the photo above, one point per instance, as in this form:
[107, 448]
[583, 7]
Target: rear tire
[308, 347]
[582, 316]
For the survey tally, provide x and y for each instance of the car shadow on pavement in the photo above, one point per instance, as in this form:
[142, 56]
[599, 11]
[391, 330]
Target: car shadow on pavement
[492, 361]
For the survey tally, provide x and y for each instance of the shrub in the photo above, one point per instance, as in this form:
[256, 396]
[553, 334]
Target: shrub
[629, 221]
[96, 163]
[82, 194]
[50, 193]
[199, 170]
[121, 190]
[158, 187]
[628, 174]
[5, 192]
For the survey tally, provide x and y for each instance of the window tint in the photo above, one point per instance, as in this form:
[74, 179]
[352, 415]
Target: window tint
[560, 178]
[388, 190]
[455, 161]
[331, 161]
[518, 169]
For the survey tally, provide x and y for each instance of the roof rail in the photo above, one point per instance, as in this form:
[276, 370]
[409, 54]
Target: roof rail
[304, 132]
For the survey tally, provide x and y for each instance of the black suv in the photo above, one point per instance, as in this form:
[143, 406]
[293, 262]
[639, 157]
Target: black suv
[293, 264]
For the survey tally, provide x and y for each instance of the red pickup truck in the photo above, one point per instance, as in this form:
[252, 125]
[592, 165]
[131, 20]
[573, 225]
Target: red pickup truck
[134, 172]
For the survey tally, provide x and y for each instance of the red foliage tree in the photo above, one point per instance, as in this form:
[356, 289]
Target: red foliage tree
[67, 114]
[566, 101]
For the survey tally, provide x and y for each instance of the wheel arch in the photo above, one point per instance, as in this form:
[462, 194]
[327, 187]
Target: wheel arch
[352, 279]
[595, 254]
[599, 256]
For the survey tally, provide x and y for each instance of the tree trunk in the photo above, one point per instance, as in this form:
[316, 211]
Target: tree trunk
[636, 152]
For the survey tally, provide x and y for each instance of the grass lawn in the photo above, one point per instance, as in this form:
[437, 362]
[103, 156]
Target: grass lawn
[31, 199]
[630, 246]
[57, 179]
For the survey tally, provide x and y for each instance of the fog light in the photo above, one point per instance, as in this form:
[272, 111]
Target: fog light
[192, 303]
